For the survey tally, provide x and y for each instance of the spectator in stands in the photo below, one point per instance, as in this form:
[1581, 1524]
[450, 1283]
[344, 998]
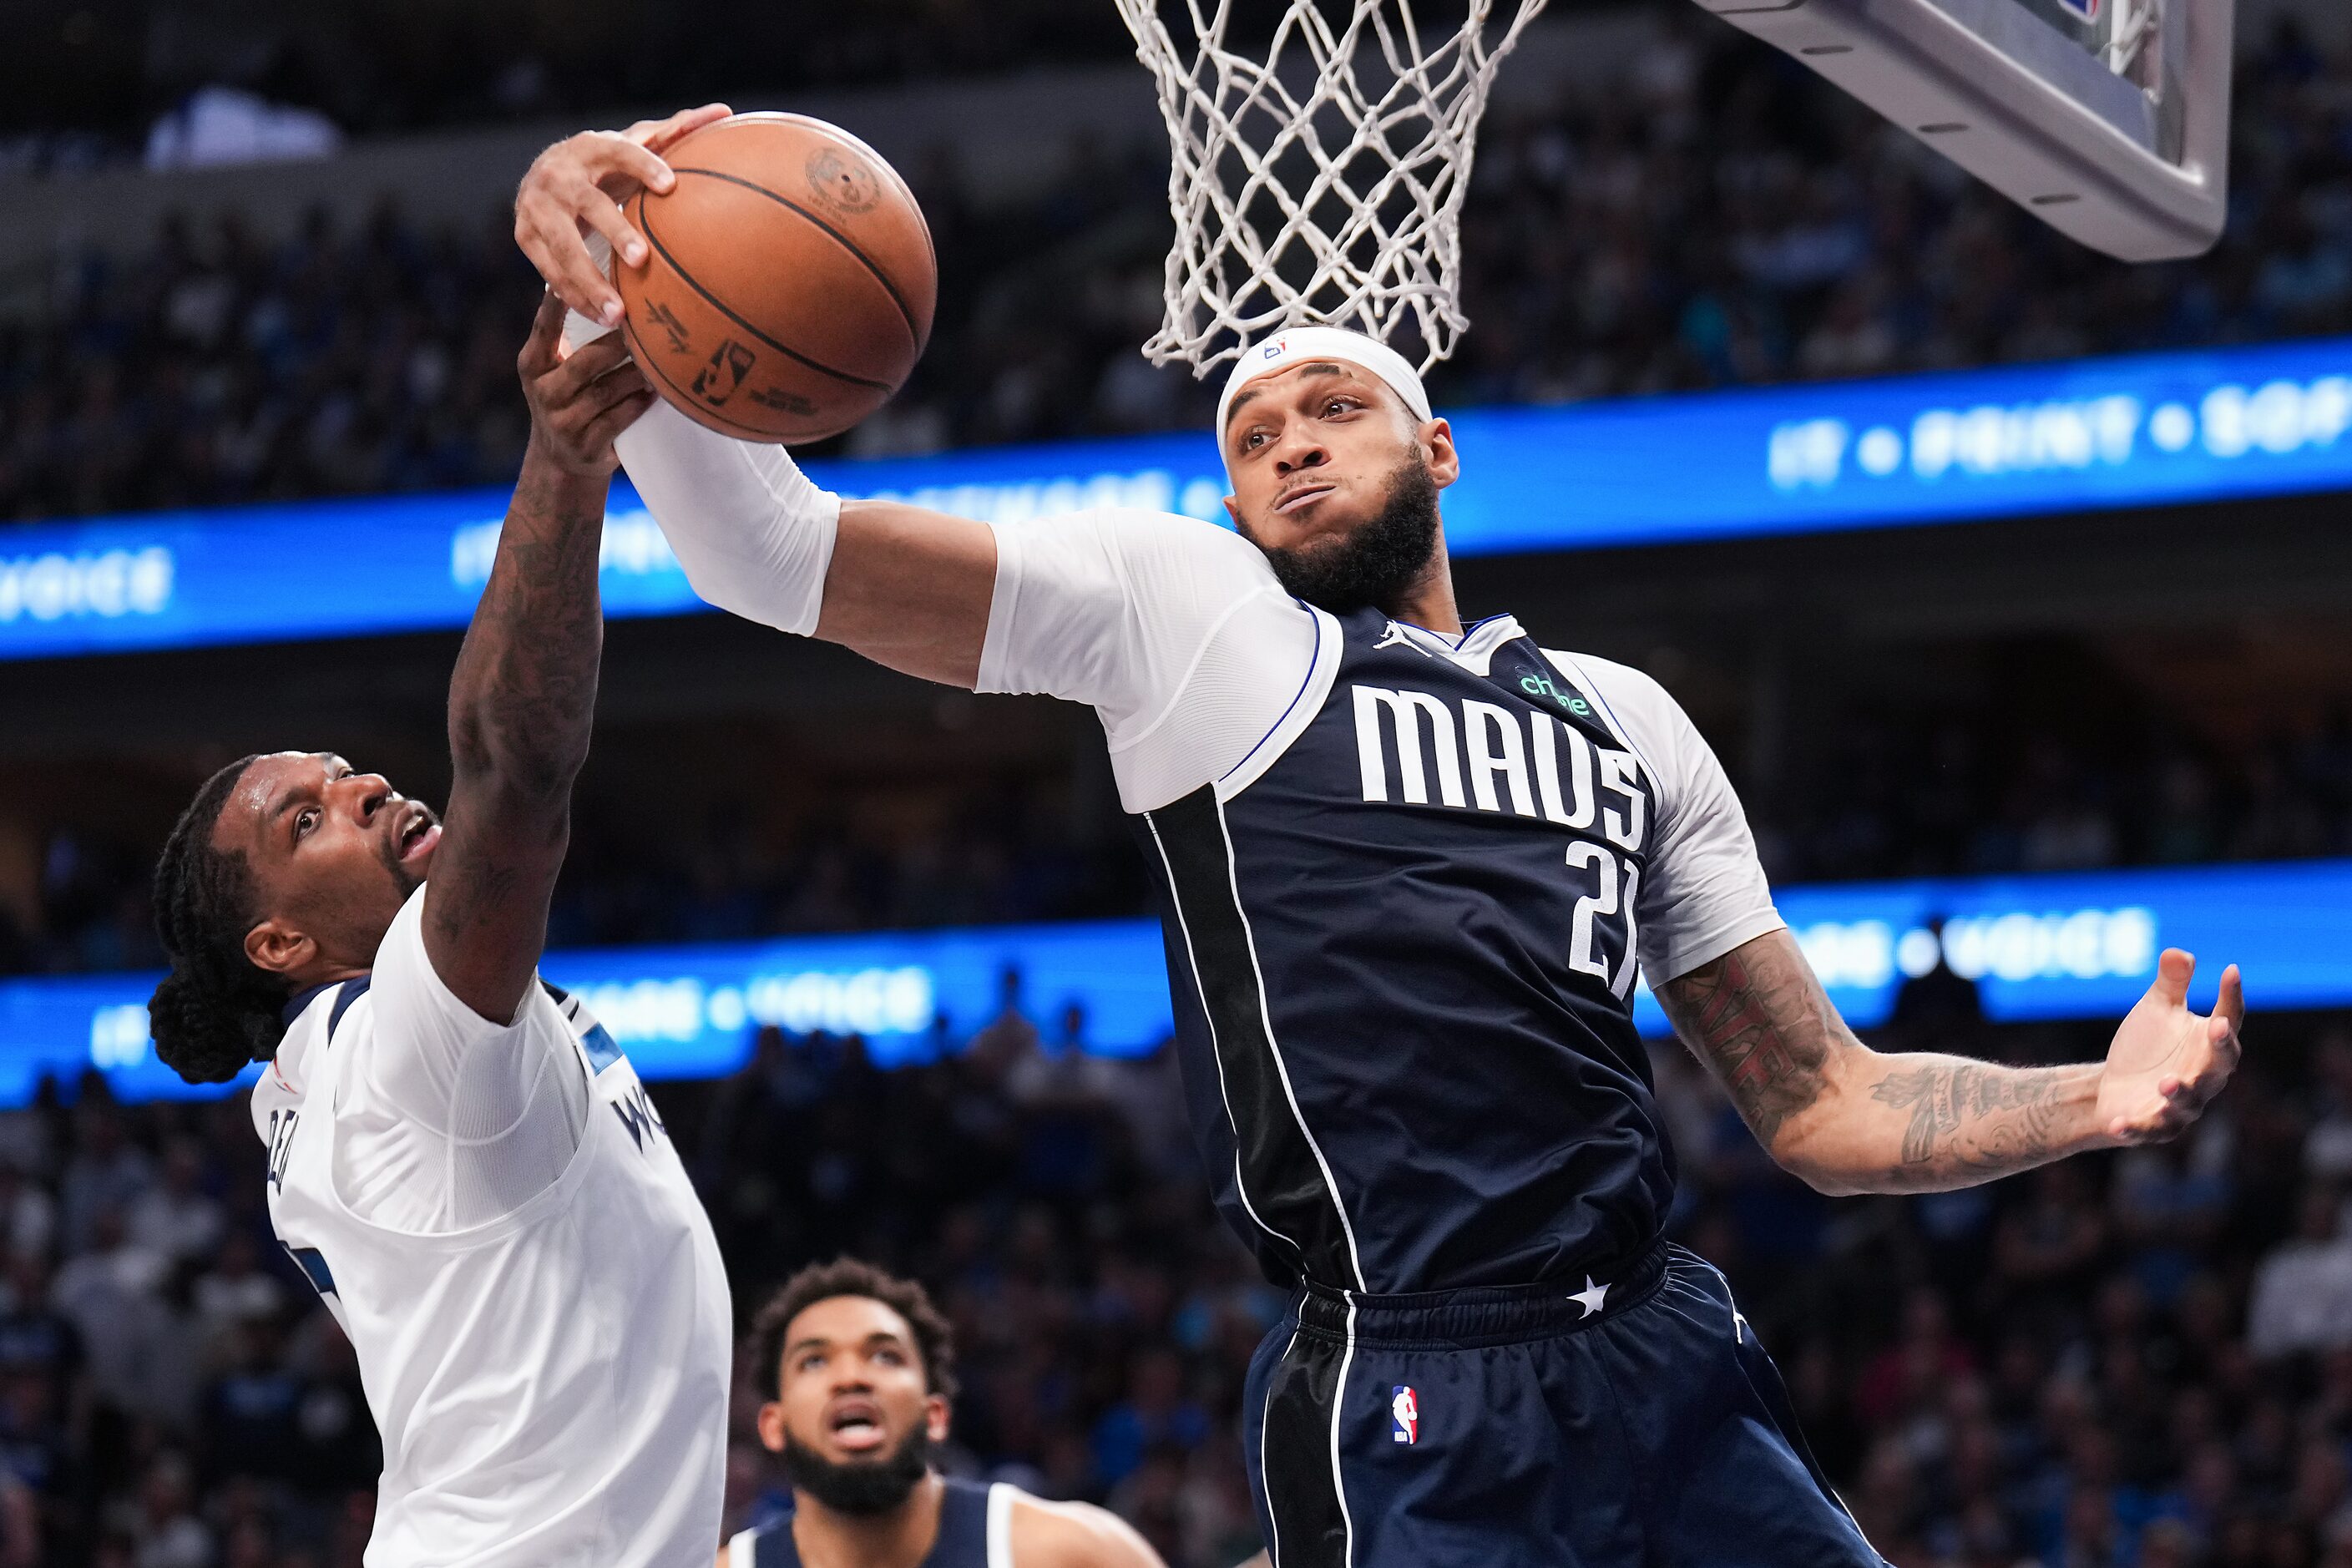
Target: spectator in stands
[2302, 1298]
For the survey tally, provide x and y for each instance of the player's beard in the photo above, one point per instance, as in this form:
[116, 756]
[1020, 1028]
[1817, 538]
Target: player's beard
[863, 1488]
[1372, 564]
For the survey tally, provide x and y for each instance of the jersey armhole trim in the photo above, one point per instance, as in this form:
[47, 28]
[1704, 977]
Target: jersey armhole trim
[1305, 703]
[552, 1197]
[999, 1526]
[1183, 682]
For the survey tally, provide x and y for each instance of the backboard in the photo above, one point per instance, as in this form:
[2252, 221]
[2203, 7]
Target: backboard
[2109, 119]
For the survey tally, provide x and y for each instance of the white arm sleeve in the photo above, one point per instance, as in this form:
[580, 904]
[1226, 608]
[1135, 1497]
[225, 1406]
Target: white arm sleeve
[753, 533]
[448, 1120]
[1704, 892]
[1175, 631]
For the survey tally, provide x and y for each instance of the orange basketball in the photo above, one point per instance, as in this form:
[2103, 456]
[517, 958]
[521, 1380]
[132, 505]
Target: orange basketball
[790, 281]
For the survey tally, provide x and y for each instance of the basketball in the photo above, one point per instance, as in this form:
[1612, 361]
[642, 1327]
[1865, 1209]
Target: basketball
[789, 282]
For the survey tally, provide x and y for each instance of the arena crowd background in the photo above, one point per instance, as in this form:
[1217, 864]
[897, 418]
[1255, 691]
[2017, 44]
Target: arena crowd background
[2138, 1360]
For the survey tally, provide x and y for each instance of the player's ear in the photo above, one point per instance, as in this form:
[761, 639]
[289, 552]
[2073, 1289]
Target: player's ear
[1437, 451]
[936, 1411]
[772, 1427]
[278, 948]
[1233, 512]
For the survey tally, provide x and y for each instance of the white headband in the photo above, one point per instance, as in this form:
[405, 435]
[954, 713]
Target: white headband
[1300, 345]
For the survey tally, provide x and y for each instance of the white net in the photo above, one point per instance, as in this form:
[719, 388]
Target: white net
[1318, 177]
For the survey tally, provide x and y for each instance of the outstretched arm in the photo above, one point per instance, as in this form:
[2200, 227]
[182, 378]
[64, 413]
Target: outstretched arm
[1849, 1120]
[907, 587]
[1174, 631]
[524, 693]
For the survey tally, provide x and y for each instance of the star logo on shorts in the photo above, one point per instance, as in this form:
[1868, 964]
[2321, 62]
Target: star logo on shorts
[1591, 1297]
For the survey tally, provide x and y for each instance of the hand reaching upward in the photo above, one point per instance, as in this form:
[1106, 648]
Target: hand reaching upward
[2166, 1063]
[577, 185]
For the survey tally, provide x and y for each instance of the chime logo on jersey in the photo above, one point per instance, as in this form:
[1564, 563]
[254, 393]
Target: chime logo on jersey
[1405, 1411]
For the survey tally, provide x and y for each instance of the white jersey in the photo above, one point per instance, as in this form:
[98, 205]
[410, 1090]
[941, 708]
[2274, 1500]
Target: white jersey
[537, 1300]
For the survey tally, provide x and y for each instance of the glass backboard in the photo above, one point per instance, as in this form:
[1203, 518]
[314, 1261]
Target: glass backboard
[2109, 119]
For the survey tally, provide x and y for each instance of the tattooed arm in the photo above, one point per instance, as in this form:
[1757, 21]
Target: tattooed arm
[524, 693]
[1849, 1120]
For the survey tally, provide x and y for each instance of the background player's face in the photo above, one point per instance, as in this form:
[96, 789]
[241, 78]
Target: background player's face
[333, 855]
[1315, 453]
[852, 1387]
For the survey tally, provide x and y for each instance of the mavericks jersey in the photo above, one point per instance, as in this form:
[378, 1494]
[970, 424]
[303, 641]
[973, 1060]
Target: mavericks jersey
[975, 1531]
[1401, 943]
[551, 1384]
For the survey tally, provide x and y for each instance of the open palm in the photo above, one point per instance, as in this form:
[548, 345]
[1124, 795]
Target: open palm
[2167, 1063]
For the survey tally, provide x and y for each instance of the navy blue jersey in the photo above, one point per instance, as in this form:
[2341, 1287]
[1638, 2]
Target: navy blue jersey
[1403, 960]
[975, 1533]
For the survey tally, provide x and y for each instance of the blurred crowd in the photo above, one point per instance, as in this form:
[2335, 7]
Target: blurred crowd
[1714, 216]
[1928, 793]
[2133, 1360]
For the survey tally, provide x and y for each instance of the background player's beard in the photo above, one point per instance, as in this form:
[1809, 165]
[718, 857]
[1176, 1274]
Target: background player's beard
[864, 1486]
[1372, 565]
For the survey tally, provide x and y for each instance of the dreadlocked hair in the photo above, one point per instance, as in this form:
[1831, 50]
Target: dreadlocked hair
[934, 1341]
[214, 1012]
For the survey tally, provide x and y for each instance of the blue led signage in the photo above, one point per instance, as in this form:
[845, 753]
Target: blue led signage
[2072, 437]
[2079, 945]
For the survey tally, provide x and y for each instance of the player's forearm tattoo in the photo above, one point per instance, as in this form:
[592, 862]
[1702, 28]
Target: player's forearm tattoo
[522, 700]
[523, 696]
[1768, 1036]
[1975, 1119]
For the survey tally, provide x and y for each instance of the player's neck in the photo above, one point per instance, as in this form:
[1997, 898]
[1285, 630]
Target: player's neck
[901, 1538]
[1427, 601]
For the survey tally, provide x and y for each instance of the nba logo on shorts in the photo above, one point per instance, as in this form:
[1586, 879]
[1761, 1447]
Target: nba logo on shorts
[2082, 10]
[1404, 1413]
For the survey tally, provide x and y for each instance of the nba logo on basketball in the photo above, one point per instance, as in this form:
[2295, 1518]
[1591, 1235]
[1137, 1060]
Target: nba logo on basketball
[1405, 1411]
[2082, 10]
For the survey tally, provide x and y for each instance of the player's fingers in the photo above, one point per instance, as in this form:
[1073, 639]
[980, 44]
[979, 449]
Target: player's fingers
[660, 135]
[539, 350]
[2230, 1007]
[555, 247]
[535, 248]
[588, 364]
[623, 164]
[607, 219]
[606, 427]
[2174, 970]
[625, 379]
[2165, 1120]
[2196, 1092]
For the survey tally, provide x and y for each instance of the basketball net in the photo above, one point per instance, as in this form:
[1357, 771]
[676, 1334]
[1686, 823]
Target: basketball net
[1334, 195]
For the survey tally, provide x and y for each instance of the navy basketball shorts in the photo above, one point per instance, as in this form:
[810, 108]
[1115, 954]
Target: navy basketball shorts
[1636, 1424]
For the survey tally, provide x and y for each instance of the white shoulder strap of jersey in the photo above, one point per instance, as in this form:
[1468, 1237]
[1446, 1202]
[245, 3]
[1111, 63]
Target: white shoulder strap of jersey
[743, 1551]
[1000, 1525]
